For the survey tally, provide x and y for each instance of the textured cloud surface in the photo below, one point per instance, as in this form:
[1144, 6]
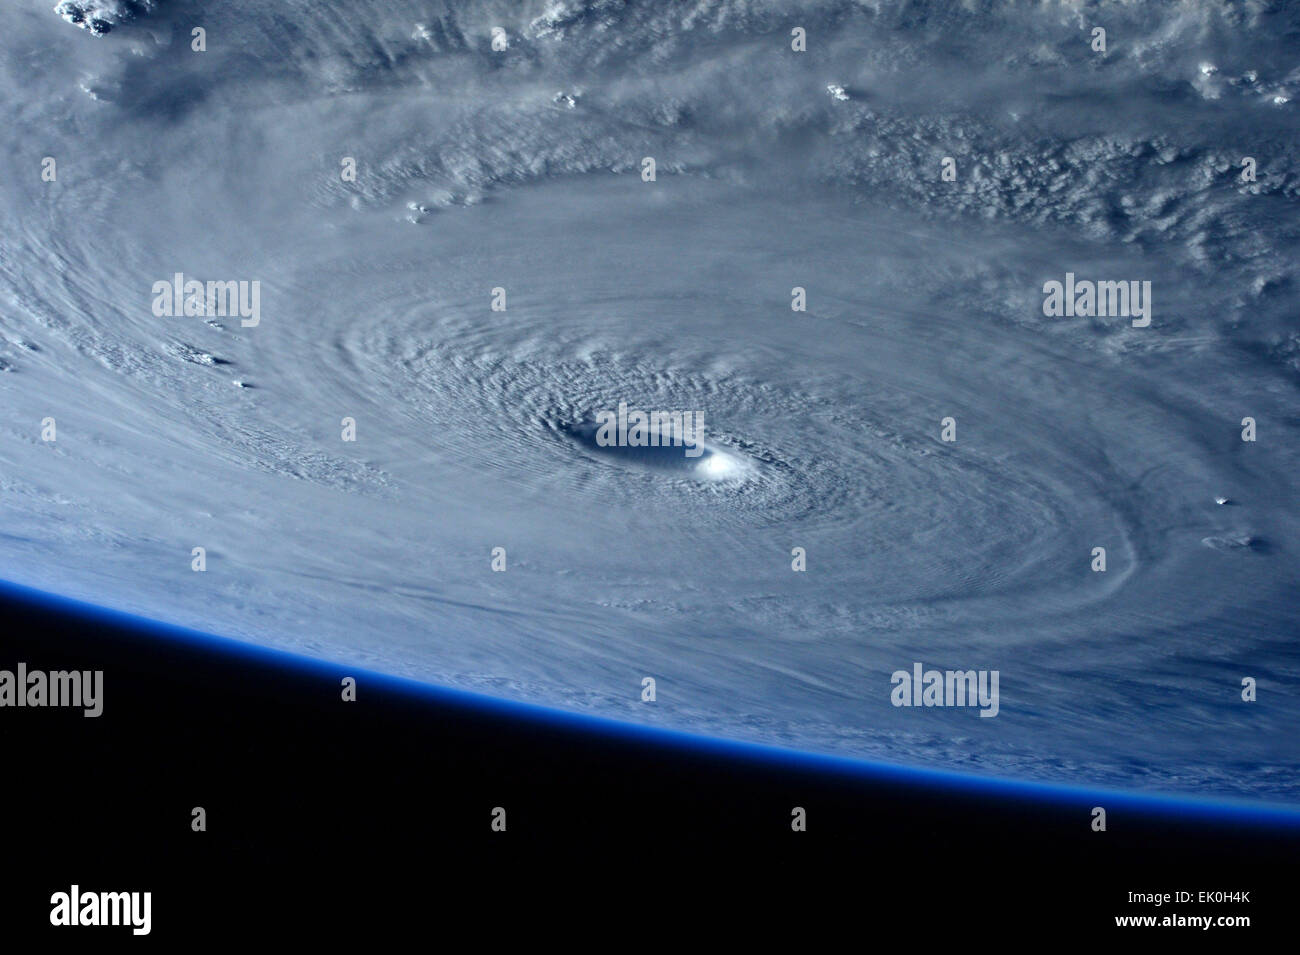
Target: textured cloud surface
[521, 169]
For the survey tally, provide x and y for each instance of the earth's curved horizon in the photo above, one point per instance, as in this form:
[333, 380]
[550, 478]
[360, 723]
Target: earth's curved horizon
[840, 260]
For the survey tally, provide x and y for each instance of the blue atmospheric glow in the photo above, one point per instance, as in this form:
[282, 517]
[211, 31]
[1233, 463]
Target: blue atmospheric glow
[1177, 807]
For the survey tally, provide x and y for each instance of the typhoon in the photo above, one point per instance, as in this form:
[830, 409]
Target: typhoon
[427, 243]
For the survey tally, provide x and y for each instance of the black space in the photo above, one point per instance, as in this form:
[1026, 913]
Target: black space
[328, 818]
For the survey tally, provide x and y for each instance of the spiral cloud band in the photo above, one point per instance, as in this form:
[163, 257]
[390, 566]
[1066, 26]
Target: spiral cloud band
[994, 331]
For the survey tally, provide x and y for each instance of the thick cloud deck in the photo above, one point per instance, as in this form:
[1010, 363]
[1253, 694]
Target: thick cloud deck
[521, 170]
